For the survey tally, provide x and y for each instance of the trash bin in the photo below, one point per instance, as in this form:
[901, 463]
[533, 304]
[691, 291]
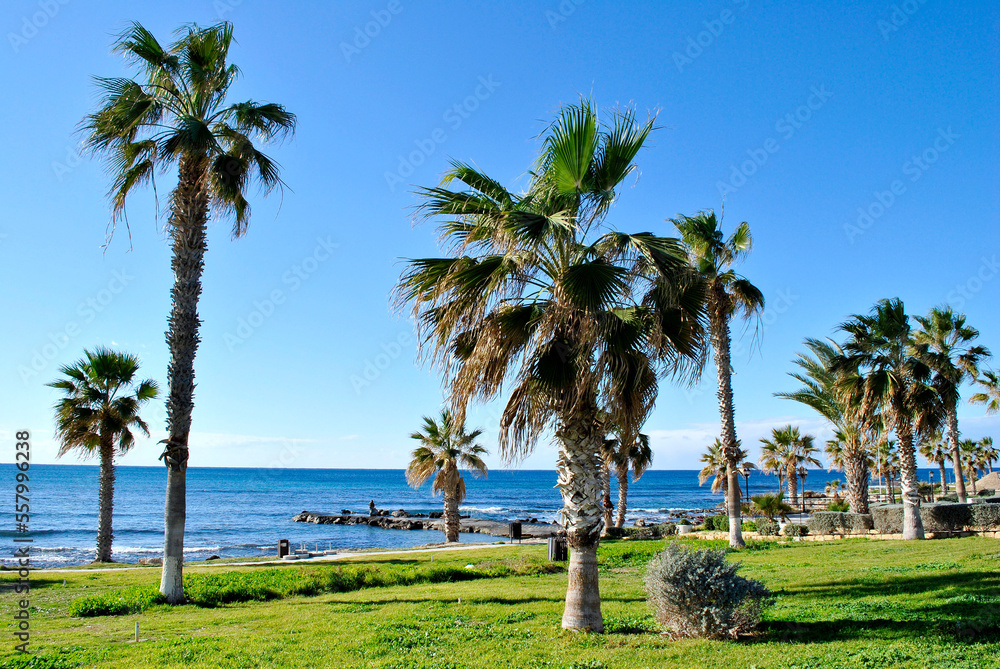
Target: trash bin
[515, 531]
[283, 549]
[557, 550]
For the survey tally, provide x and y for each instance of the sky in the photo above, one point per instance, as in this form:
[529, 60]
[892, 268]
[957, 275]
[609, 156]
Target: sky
[858, 139]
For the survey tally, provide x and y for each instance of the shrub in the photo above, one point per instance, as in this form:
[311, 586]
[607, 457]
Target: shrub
[719, 522]
[888, 518]
[948, 498]
[134, 599]
[643, 533]
[985, 516]
[768, 528]
[838, 522]
[839, 505]
[697, 593]
[684, 521]
[749, 526]
[795, 530]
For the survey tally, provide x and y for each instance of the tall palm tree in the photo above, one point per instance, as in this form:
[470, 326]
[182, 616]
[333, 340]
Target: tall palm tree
[934, 450]
[788, 450]
[944, 343]
[446, 449]
[989, 394]
[96, 415]
[176, 114]
[880, 344]
[580, 320]
[729, 295]
[621, 455]
[849, 450]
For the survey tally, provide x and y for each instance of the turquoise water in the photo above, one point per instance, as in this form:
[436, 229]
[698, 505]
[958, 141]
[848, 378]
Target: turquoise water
[244, 512]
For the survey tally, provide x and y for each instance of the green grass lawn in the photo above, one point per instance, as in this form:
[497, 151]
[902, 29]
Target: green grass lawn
[854, 603]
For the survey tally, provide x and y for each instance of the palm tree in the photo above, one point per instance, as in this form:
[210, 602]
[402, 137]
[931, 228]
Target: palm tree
[933, 448]
[886, 462]
[944, 343]
[581, 321]
[771, 506]
[849, 450]
[728, 294]
[973, 460]
[990, 452]
[622, 456]
[896, 381]
[788, 450]
[97, 414]
[717, 467]
[446, 449]
[772, 460]
[990, 394]
[176, 114]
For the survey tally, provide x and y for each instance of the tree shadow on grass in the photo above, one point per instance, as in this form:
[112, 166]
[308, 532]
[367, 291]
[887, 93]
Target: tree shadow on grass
[974, 629]
[960, 583]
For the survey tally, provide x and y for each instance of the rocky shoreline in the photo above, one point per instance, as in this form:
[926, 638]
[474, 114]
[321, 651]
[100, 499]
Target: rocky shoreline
[403, 520]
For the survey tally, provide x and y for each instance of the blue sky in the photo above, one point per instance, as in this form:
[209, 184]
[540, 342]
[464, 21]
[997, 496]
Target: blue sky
[858, 139]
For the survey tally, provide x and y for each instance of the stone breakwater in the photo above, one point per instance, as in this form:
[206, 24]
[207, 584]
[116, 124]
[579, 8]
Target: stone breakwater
[400, 520]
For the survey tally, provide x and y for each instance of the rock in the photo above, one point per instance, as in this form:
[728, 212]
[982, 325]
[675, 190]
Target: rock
[212, 557]
[347, 512]
[154, 561]
[401, 513]
[436, 514]
[640, 523]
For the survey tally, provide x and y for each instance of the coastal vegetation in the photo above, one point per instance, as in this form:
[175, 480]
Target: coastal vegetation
[853, 603]
[176, 115]
[446, 449]
[96, 415]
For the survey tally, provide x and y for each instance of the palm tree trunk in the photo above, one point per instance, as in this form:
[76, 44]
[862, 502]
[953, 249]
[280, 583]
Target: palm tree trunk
[972, 480]
[606, 504]
[727, 412]
[107, 499]
[856, 473]
[792, 476]
[956, 454]
[944, 479]
[622, 495]
[452, 520]
[913, 526]
[187, 225]
[579, 466]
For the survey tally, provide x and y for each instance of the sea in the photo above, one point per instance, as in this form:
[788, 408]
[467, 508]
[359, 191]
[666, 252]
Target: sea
[244, 512]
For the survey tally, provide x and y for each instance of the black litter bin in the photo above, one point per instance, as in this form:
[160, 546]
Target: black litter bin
[515, 531]
[557, 550]
[283, 548]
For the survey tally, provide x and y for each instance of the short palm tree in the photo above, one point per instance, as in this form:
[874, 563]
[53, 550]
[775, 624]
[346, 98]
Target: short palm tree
[885, 458]
[788, 450]
[849, 450]
[973, 459]
[716, 469]
[944, 343]
[580, 320]
[934, 450]
[729, 295]
[773, 506]
[882, 371]
[990, 452]
[989, 392]
[96, 416]
[772, 460]
[446, 449]
[623, 454]
[176, 115]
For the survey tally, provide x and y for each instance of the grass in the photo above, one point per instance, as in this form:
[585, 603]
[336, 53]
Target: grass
[853, 603]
